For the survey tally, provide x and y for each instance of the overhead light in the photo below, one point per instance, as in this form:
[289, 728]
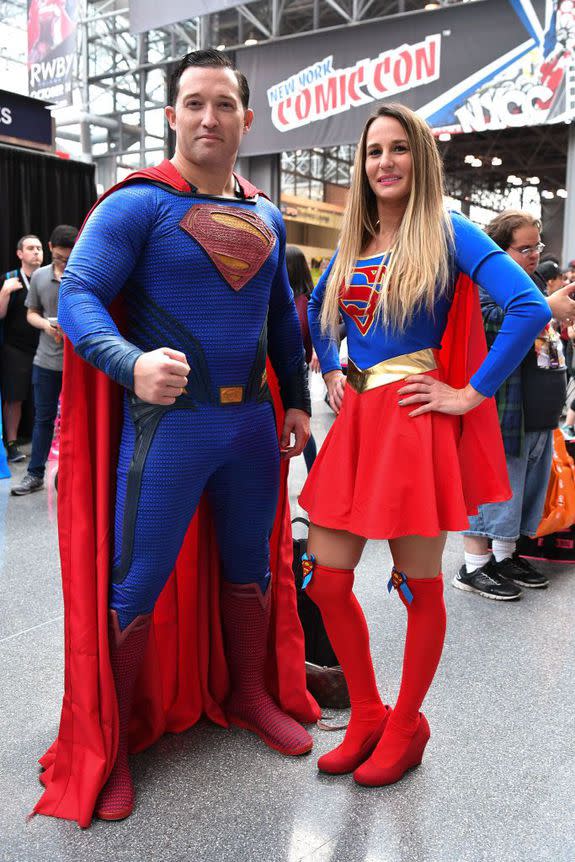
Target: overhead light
[496, 161]
[221, 48]
[561, 193]
[534, 180]
[511, 179]
[469, 160]
[444, 136]
[547, 194]
[251, 41]
[476, 163]
[429, 6]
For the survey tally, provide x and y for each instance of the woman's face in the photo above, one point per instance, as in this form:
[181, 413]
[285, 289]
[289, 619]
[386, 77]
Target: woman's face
[388, 162]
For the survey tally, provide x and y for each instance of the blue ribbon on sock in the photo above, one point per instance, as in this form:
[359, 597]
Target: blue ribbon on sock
[399, 581]
[308, 563]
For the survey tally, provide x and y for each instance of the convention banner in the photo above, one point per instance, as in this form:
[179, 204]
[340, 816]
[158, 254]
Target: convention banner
[52, 49]
[474, 67]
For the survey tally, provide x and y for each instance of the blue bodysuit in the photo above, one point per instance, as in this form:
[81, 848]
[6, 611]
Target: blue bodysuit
[205, 276]
[475, 255]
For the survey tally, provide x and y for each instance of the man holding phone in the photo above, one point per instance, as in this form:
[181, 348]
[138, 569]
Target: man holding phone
[42, 305]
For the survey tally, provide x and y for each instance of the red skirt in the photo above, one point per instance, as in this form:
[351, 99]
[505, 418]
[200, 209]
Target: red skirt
[383, 474]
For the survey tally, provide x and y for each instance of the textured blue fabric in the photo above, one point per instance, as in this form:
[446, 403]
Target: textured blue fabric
[133, 243]
[475, 255]
[175, 297]
[233, 453]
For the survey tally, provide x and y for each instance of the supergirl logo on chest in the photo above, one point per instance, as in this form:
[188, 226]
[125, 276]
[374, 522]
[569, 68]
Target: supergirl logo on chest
[359, 301]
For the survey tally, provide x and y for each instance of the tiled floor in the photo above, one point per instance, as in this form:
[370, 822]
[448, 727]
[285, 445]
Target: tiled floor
[497, 782]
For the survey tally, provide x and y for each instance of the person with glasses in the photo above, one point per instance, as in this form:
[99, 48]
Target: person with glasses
[42, 305]
[529, 405]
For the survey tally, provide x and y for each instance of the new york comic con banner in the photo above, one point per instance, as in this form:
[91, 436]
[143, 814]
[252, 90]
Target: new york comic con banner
[470, 68]
[51, 49]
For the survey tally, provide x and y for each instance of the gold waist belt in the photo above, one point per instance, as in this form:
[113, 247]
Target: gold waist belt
[390, 370]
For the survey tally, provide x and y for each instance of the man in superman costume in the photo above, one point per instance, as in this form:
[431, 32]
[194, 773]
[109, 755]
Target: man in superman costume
[193, 260]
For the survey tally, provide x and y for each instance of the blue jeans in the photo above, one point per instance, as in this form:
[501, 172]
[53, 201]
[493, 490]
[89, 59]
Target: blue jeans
[529, 477]
[47, 385]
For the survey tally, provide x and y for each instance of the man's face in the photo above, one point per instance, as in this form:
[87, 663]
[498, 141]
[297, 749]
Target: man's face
[31, 254]
[523, 248]
[60, 257]
[208, 118]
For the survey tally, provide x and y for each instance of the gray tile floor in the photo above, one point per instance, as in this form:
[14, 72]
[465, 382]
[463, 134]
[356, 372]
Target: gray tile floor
[497, 782]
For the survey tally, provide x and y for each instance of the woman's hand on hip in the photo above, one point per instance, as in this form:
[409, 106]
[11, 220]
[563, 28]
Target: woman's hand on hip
[432, 394]
[335, 382]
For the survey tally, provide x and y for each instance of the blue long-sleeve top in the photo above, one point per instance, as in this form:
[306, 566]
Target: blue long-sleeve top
[370, 341]
[133, 243]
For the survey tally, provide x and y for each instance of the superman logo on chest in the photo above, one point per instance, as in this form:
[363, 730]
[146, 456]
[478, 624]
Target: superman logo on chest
[237, 240]
[359, 301]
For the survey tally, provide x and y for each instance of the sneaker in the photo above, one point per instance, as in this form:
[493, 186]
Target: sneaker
[486, 582]
[522, 573]
[28, 484]
[568, 432]
[14, 454]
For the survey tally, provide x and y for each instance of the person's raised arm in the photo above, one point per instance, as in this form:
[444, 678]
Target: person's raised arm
[524, 309]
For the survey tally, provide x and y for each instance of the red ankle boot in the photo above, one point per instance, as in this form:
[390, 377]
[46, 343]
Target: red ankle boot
[245, 619]
[393, 756]
[116, 800]
[345, 759]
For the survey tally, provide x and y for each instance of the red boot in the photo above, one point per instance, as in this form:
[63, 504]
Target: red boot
[116, 800]
[388, 770]
[245, 620]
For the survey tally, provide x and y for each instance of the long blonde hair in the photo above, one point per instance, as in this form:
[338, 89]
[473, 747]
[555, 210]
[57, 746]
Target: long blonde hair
[417, 271]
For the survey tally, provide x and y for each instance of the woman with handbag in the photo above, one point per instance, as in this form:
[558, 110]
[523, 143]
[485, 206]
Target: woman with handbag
[416, 444]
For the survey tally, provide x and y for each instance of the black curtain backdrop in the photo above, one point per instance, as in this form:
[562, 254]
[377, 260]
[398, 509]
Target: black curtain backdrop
[38, 192]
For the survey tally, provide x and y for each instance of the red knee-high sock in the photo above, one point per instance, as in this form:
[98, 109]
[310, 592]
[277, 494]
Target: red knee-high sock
[332, 590]
[426, 623]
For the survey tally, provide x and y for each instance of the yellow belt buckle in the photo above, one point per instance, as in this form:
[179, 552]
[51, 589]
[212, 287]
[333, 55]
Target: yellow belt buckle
[231, 394]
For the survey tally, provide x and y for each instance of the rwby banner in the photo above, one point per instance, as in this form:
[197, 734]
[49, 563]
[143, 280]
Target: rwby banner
[486, 65]
[51, 49]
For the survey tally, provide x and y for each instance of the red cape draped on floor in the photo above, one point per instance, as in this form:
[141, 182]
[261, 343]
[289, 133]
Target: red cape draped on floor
[481, 452]
[184, 675]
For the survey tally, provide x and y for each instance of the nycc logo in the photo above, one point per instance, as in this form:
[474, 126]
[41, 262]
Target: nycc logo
[320, 91]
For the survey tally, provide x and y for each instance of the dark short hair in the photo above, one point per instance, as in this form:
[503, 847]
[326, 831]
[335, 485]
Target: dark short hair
[211, 59]
[64, 236]
[23, 239]
[503, 226]
[298, 271]
[548, 270]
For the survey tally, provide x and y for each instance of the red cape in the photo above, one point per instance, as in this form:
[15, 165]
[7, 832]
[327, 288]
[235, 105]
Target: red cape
[481, 452]
[184, 675]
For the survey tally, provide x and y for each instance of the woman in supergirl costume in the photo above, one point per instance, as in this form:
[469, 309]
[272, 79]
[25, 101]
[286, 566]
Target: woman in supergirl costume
[416, 445]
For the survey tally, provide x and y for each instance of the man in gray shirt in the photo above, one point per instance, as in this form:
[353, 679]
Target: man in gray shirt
[42, 305]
